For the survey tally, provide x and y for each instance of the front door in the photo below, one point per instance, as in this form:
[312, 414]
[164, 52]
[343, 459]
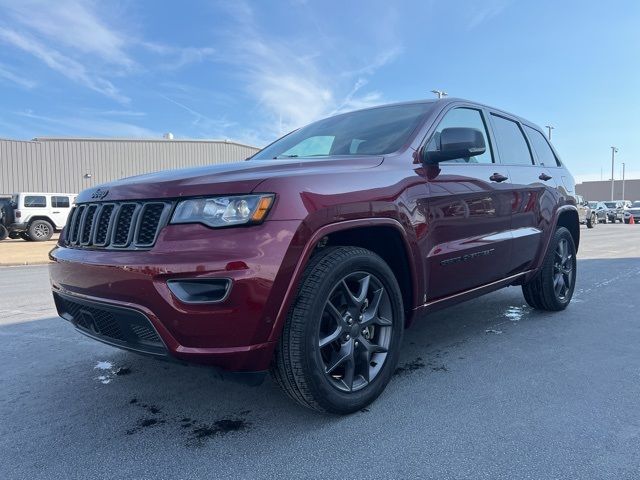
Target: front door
[469, 219]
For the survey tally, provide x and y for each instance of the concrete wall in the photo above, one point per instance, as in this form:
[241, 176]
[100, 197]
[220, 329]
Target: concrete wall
[601, 190]
[64, 165]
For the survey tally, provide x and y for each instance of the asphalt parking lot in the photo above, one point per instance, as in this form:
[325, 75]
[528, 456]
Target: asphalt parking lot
[488, 389]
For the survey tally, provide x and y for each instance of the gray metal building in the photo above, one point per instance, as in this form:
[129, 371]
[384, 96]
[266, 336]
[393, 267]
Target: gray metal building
[601, 190]
[70, 165]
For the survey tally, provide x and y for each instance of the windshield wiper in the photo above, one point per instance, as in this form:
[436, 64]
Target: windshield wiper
[284, 156]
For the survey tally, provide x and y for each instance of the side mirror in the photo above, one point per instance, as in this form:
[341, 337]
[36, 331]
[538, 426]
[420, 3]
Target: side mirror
[452, 143]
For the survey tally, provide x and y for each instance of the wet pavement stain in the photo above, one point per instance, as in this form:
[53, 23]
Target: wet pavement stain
[144, 423]
[409, 367]
[219, 428]
[197, 432]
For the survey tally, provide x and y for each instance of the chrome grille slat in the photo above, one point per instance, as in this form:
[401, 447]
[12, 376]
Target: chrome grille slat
[126, 225]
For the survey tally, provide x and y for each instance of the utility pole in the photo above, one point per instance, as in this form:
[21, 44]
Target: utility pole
[622, 181]
[549, 128]
[614, 150]
[440, 93]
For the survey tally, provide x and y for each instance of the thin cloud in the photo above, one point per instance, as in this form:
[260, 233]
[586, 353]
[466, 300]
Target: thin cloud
[485, 11]
[62, 64]
[73, 24]
[75, 126]
[291, 86]
[15, 78]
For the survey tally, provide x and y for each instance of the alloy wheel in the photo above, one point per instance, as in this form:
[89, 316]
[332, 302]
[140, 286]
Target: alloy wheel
[562, 270]
[41, 230]
[355, 331]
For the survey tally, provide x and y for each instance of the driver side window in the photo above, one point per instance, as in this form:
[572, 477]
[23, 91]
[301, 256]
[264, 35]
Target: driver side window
[468, 118]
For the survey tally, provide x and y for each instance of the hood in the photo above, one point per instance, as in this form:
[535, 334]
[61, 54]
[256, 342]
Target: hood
[221, 179]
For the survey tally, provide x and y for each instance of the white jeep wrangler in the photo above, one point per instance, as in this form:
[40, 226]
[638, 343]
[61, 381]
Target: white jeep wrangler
[38, 215]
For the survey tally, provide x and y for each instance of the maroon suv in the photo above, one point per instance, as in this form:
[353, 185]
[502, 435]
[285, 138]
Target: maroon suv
[312, 257]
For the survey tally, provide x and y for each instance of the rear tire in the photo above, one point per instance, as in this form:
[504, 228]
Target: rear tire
[552, 287]
[4, 233]
[341, 340]
[40, 231]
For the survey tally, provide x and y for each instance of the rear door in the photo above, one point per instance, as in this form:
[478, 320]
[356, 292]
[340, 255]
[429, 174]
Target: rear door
[533, 195]
[469, 214]
[60, 208]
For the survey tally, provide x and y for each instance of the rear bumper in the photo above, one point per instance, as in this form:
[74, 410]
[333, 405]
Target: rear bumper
[130, 289]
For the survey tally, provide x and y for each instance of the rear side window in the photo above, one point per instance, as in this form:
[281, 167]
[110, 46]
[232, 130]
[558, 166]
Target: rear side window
[60, 202]
[463, 117]
[512, 145]
[35, 201]
[541, 146]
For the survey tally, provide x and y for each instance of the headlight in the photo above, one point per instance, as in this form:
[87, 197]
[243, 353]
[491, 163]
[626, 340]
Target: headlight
[223, 211]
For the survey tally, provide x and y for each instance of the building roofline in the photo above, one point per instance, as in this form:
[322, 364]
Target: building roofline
[111, 139]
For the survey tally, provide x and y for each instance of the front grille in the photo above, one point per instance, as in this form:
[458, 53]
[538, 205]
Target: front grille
[118, 326]
[117, 225]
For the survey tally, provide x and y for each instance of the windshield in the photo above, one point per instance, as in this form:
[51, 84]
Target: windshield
[611, 204]
[635, 205]
[593, 204]
[376, 131]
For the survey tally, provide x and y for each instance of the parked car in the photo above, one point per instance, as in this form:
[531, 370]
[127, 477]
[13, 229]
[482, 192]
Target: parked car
[312, 257]
[38, 215]
[586, 216]
[601, 211]
[632, 211]
[615, 211]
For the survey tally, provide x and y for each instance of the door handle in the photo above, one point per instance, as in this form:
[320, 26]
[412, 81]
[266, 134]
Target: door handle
[543, 176]
[55, 212]
[497, 177]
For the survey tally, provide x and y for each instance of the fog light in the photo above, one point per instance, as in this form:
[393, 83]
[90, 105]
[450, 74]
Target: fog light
[200, 290]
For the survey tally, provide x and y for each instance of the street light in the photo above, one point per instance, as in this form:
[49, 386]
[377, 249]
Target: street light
[549, 128]
[440, 93]
[614, 150]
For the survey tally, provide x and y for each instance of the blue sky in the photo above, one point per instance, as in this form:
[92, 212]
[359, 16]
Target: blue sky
[249, 71]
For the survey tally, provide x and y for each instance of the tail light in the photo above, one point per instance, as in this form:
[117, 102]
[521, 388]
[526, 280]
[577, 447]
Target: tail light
[17, 214]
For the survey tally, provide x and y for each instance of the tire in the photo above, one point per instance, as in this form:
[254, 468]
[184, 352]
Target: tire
[4, 233]
[591, 221]
[542, 292]
[311, 373]
[40, 231]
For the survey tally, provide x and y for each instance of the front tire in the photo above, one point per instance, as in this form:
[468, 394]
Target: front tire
[552, 287]
[342, 336]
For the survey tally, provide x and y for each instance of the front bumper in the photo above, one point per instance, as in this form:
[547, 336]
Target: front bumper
[635, 215]
[233, 334]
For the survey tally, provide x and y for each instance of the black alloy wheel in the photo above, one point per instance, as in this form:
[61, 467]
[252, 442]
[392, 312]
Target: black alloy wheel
[355, 331]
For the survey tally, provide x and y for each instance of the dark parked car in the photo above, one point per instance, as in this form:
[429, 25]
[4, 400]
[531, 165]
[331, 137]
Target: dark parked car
[615, 211]
[312, 257]
[601, 211]
[632, 211]
[586, 216]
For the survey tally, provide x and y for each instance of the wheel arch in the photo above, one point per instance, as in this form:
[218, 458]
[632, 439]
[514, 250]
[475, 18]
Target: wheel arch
[339, 233]
[42, 217]
[568, 217]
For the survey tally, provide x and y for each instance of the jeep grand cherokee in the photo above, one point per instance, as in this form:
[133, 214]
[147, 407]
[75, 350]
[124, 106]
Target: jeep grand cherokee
[311, 258]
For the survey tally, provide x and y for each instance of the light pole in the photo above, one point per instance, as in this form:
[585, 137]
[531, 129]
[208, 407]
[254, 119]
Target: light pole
[440, 93]
[622, 181]
[614, 150]
[549, 128]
